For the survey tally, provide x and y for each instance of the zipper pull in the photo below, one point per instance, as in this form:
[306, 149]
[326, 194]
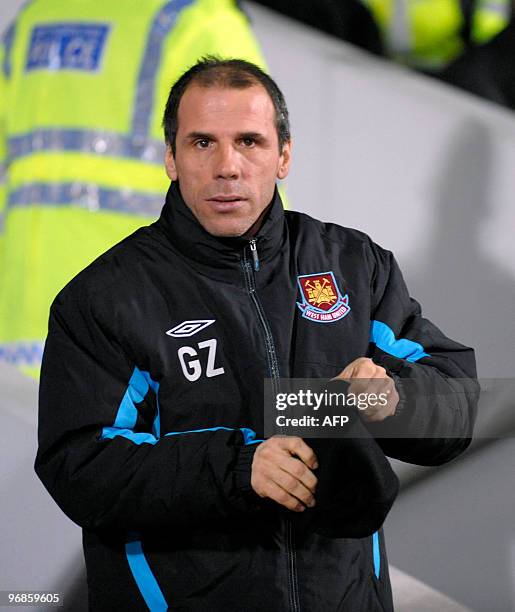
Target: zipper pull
[253, 250]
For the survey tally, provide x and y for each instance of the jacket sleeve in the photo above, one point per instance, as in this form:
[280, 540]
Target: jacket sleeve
[100, 455]
[434, 375]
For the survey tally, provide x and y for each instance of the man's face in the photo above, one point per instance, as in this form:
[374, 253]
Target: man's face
[227, 156]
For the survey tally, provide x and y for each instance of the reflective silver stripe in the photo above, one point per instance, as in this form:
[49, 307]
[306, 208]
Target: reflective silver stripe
[86, 141]
[7, 40]
[399, 39]
[136, 145]
[144, 102]
[22, 353]
[88, 196]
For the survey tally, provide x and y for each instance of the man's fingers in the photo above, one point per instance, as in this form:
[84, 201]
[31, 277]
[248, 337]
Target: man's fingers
[282, 497]
[371, 385]
[297, 446]
[294, 487]
[374, 414]
[381, 398]
[273, 482]
[292, 445]
[368, 379]
[345, 373]
[363, 367]
[281, 470]
[296, 469]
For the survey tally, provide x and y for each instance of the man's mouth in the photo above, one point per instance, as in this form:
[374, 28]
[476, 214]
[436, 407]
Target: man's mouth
[226, 198]
[224, 203]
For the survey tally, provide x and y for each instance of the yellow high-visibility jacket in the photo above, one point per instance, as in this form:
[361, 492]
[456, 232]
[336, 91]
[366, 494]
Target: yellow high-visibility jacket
[82, 90]
[428, 34]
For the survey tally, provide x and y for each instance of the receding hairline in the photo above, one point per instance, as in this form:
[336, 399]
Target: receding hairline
[195, 84]
[225, 77]
[212, 72]
[227, 87]
[226, 84]
[260, 115]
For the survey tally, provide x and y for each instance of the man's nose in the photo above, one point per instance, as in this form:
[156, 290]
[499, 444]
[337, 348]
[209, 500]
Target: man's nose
[227, 162]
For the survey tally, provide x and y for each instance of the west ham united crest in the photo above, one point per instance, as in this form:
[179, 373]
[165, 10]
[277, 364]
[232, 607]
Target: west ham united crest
[321, 298]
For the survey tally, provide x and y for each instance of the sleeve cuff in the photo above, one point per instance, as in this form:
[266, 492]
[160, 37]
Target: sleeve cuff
[243, 470]
[403, 404]
[394, 367]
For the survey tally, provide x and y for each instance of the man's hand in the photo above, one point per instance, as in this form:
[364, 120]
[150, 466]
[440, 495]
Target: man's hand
[377, 381]
[281, 470]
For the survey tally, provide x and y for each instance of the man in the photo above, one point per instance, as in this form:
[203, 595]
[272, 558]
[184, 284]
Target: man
[151, 403]
[82, 88]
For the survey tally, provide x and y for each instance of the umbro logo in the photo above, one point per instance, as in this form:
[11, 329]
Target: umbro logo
[189, 328]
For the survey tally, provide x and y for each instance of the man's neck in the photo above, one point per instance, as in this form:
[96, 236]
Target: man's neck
[255, 227]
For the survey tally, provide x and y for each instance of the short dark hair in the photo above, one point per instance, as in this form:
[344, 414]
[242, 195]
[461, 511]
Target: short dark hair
[211, 71]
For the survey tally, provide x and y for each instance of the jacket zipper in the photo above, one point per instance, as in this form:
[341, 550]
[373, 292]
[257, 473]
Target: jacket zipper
[273, 367]
[253, 250]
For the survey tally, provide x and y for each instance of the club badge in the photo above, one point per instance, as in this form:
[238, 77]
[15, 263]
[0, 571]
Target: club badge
[322, 300]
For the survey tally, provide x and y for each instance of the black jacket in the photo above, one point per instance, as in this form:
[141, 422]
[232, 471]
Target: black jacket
[151, 407]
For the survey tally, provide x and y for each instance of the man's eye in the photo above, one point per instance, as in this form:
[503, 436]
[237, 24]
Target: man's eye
[202, 143]
[248, 142]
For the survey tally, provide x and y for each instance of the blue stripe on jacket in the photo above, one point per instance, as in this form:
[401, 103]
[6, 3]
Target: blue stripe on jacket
[384, 338]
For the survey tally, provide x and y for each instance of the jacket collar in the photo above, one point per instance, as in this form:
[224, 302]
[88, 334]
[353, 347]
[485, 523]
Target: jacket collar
[216, 256]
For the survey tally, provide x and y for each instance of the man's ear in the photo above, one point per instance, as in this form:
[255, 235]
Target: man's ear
[284, 161]
[170, 164]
